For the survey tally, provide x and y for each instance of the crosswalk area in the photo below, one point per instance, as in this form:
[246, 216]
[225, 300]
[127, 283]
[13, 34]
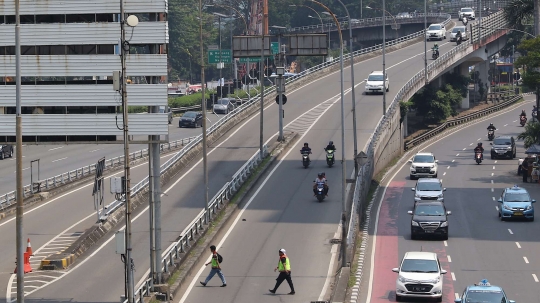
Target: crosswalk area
[38, 279]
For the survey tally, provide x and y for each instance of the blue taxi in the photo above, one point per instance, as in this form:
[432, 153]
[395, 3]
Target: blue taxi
[515, 202]
[483, 292]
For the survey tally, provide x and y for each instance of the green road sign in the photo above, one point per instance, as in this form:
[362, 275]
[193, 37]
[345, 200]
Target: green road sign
[274, 46]
[213, 56]
[251, 59]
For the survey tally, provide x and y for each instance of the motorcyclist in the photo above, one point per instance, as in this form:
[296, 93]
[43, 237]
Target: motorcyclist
[491, 127]
[305, 149]
[479, 149]
[459, 37]
[330, 146]
[321, 179]
[534, 111]
[465, 20]
[523, 113]
[436, 49]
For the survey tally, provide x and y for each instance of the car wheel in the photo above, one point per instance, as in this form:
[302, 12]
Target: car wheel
[501, 217]
[531, 219]
[411, 177]
[439, 299]
[1, 155]
[11, 153]
[435, 176]
[398, 298]
[388, 88]
[492, 157]
[514, 155]
[413, 236]
[445, 237]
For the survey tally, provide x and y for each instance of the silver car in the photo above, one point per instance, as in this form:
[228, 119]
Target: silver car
[464, 33]
[427, 190]
[223, 106]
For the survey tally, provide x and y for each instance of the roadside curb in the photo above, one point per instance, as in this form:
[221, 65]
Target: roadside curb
[187, 265]
[377, 196]
[57, 261]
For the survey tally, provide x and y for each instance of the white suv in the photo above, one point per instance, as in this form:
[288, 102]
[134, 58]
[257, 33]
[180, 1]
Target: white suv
[466, 12]
[374, 82]
[420, 276]
[436, 31]
[424, 165]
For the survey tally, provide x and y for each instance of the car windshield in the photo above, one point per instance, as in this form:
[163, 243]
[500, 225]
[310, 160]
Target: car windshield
[456, 29]
[415, 265]
[429, 210]
[434, 27]
[501, 141]
[223, 101]
[467, 10]
[190, 115]
[429, 186]
[375, 78]
[161, 109]
[423, 159]
[484, 296]
[516, 197]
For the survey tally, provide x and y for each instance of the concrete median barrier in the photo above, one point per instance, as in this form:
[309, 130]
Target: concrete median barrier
[57, 261]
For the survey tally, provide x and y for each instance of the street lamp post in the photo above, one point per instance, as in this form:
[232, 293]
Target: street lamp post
[220, 64]
[343, 162]
[203, 108]
[329, 26]
[279, 73]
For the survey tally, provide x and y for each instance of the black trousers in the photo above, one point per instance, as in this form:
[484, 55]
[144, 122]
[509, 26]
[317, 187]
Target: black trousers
[525, 174]
[284, 276]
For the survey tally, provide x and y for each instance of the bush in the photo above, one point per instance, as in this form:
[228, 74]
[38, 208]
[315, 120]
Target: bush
[189, 100]
[242, 94]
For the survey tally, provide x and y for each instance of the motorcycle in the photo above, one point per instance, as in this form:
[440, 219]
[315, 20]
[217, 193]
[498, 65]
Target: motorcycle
[330, 157]
[522, 120]
[319, 193]
[465, 21]
[305, 159]
[434, 54]
[491, 135]
[458, 40]
[478, 157]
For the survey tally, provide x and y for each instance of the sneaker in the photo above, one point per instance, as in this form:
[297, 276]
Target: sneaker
[202, 283]
[292, 293]
[272, 291]
[223, 285]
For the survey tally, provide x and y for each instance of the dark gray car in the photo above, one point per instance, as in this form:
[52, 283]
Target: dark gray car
[6, 151]
[190, 119]
[503, 146]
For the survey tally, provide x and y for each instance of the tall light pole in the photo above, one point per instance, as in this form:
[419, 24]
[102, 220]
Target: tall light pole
[425, 44]
[220, 64]
[352, 90]
[343, 162]
[18, 151]
[261, 75]
[203, 107]
[280, 84]
[329, 26]
[131, 21]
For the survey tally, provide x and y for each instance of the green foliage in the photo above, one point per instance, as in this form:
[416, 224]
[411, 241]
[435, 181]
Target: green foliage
[189, 100]
[404, 109]
[239, 93]
[531, 75]
[517, 11]
[434, 104]
[531, 134]
[137, 109]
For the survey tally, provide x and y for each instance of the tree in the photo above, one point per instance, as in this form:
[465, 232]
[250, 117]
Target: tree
[519, 10]
[531, 62]
[531, 135]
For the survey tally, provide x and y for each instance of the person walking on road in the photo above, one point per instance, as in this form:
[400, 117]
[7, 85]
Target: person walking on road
[525, 170]
[284, 267]
[216, 267]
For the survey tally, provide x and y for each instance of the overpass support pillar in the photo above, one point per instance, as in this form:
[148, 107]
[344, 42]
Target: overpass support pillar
[483, 70]
[464, 71]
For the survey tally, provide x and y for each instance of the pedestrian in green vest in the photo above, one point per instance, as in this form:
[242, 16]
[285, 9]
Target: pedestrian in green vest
[284, 268]
[216, 267]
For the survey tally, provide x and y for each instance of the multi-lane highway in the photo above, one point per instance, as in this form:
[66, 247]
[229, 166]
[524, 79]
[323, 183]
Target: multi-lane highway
[58, 159]
[288, 200]
[480, 246]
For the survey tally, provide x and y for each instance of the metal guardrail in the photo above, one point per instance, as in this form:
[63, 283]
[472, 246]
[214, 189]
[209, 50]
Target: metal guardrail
[185, 108]
[365, 21]
[197, 225]
[453, 122]
[64, 178]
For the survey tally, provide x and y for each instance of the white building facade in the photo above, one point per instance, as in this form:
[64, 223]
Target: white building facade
[69, 50]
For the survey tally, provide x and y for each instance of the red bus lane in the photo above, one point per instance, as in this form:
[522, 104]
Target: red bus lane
[387, 250]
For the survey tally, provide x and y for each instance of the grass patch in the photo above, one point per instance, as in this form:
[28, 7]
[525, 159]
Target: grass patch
[172, 279]
[154, 300]
[354, 266]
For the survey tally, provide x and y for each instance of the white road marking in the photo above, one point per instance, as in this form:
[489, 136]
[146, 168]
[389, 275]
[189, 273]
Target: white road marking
[441, 180]
[445, 243]
[464, 148]
[56, 148]
[510, 231]
[448, 167]
[493, 167]
[449, 259]
[479, 139]
[59, 159]
[497, 208]
[444, 174]
[493, 198]
[525, 259]
[453, 161]
[471, 144]
[457, 155]
[492, 174]
[517, 244]
[456, 295]
[495, 161]
[95, 150]
[492, 190]
[492, 182]
[506, 125]
[535, 278]
[514, 121]
[453, 276]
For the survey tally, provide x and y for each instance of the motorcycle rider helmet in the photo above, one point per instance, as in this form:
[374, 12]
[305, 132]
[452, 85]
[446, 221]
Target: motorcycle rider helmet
[306, 144]
[479, 144]
[436, 45]
[490, 124]
[320, 175]
[331, 143]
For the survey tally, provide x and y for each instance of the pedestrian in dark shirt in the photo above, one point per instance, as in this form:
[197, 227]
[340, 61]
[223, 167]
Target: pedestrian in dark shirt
[525, 170]
[216, 267]
[284, 267]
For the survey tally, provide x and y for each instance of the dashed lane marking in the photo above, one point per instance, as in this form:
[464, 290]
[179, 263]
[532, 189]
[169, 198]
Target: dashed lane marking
[479, 139]
[464, 148]
[453, 161]
[497, 208]
[495, 161]
[449, 259]
[457, 155]
[535, 278]
[448, 167]
[492, 174]
[445, 243]
[493, 167]
[506, 125]
[525, 259]
[493, 198]
[492, 190]
[517, 244]
[456, 295]
[59, 159]
[510, 231]
[56, 148]
[471, 144]
[453, 276]
[444, 174]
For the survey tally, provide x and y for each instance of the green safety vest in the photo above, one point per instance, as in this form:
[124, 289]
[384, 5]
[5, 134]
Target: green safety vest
[215, 263]
[287, 264]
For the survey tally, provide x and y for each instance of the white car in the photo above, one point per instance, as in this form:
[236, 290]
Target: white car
[466, 12]
[436, 32]
[420, 276]
[374, 82]
[423, 165]
[464, 33]
[427, 190]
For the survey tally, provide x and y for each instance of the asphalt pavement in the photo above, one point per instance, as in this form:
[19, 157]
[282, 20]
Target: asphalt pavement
[57, 159]
[183, 201]
[480, 246]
